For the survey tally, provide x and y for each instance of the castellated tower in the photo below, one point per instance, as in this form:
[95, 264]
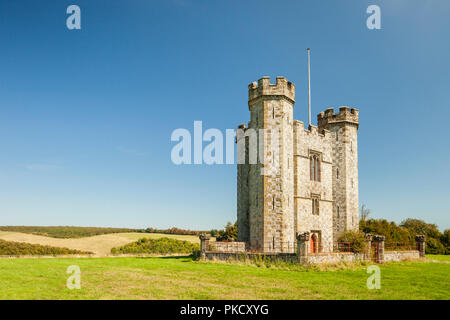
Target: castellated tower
[302, 180]
[265, 189]
[344, 127]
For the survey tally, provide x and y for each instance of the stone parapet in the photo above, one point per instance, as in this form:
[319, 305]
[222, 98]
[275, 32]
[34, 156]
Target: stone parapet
[263, 87]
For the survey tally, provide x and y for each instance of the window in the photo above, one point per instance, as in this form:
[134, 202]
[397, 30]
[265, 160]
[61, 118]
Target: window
[315, 204]
[337, 136]
[337, 211]
[314, 163]
[337, 173]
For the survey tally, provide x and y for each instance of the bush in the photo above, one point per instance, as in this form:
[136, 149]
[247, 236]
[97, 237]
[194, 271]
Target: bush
[390, 230]
[356, 239]
[445, 239]
[173, 230]
[436, 243]
[229, 233]
[434, 246]
[10, 248]
[157, 246]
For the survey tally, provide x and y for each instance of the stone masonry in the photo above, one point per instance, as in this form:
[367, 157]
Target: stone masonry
[304, 180]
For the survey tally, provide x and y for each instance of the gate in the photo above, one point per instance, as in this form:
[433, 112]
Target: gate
[374, 253]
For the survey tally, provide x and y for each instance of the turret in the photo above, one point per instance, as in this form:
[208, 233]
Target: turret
[268, 222]
[343, 126]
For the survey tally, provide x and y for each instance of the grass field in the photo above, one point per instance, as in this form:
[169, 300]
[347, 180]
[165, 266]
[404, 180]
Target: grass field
[182, 278]
[100, 245]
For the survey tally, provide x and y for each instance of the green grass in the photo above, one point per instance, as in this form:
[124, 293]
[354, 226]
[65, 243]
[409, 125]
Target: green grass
[438, 257]
[182, 278]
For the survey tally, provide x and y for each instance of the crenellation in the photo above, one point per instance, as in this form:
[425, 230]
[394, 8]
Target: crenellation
[263, 87]
[345, 115]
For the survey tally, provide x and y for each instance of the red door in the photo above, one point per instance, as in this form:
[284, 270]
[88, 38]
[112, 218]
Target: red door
[313, 243]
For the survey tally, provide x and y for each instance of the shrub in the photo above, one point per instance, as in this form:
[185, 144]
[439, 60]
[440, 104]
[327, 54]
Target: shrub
[390, 230]
[10, 248]
[173, 230]
[356, 239]
[445, 239]
[157, 246]
[230, 232]
[434, 246]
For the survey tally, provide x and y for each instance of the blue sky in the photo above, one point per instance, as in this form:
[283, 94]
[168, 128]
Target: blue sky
[86, 115]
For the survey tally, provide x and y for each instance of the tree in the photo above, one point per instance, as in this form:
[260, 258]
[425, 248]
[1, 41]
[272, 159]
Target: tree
[445, 239]
[365, 212]
[416, 226]
[229, 233]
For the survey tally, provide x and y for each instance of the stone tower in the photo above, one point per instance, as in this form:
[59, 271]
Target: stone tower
[293, 179]
[266, 197]
[344, 127]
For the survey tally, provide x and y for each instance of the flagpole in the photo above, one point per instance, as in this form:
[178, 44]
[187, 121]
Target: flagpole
[309, 90]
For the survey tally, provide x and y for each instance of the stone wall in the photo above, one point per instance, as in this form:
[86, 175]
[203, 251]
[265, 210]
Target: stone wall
[333, 258]
[230, 256]
[227, 246]
[401, 255]
[237, 251]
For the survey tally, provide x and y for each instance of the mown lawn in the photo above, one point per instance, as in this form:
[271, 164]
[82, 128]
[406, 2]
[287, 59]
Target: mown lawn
[182, 278]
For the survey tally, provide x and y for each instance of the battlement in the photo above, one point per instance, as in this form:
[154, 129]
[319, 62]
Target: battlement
[346, 114]
[263, 87]
[312, 130]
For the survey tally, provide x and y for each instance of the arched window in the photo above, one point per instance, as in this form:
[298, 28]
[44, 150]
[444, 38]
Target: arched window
[315, 204]
[315, 171]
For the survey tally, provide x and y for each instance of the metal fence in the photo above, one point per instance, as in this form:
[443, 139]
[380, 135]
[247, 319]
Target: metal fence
[343, 247]
[400, 246]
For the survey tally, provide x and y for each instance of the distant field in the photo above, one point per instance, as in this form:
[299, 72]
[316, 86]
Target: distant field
[182, 278]
[100, 245]
[65, 232]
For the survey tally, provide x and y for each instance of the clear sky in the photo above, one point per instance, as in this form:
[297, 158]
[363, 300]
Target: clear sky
[86, 115]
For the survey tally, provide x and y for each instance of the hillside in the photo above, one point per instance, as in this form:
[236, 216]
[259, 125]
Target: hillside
[100, 245]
